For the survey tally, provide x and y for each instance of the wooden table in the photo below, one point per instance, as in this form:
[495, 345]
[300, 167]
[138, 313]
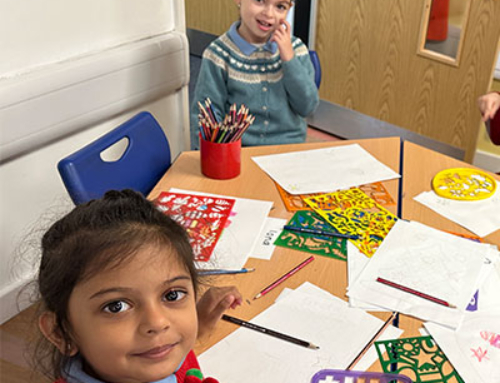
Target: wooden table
[419, 167]
[327, 273]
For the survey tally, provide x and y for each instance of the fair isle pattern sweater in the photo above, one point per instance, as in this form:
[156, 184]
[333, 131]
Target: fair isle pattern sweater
[279, 94]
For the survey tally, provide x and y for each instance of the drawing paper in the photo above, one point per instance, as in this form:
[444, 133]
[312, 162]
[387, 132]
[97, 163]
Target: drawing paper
[324, 170]
[481, 217]
[356, 262]
[474, 349]
[427, 260]
[327, 321]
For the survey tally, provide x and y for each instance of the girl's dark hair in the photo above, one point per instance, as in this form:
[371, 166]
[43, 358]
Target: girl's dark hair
[94, 236]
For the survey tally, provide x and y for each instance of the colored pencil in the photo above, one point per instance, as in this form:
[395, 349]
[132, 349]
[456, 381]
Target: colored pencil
[415, 292]
[319, 232]
[371, 341]
[232, 127]
[284, 277]
[224, 271]
[270, 332]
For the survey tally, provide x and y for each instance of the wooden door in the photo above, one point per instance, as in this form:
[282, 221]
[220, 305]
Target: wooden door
[211, 16]
[368, 49]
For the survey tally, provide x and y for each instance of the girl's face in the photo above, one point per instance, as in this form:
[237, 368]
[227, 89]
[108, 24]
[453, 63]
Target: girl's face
[260, 18]
[136, 322]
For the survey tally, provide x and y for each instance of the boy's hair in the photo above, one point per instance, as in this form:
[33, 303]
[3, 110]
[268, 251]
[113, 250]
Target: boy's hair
[98, 235]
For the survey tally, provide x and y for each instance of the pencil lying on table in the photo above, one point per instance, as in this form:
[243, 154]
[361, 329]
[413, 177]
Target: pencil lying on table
[267, 331]
[319, 232]
[284, 277]
[415, 292]
[370, 343]
[225, 271]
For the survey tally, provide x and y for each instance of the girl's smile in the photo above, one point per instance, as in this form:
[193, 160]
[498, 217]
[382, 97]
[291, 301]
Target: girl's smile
[157, 352]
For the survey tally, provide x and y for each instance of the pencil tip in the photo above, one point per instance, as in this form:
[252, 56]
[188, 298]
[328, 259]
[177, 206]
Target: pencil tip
[257, 296]
[314, 347]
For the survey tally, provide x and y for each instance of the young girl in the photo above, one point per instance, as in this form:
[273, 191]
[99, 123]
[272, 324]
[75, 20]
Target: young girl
[259, 64]
[118, 287]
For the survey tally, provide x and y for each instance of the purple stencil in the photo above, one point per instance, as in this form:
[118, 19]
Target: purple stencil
[343, 376]
[473, 302]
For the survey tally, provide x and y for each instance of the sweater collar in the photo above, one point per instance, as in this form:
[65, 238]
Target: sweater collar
[76, 374]
[246, 47]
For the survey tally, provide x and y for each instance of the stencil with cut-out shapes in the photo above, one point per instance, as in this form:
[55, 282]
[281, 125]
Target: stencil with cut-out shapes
[203, 217]
[353, 212]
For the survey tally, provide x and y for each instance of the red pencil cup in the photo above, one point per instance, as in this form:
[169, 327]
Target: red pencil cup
[220, 161]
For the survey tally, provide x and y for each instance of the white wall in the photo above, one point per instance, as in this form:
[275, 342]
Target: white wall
[34, 33]
[54, 37]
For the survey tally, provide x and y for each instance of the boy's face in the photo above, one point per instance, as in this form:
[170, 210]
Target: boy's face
[260, 18]
[136, 322]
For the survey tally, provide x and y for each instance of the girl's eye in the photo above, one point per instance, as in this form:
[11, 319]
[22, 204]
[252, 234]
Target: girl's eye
[116, 307]
[174, 295]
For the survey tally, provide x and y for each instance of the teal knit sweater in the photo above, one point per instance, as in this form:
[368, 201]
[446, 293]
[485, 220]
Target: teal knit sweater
[279, 94]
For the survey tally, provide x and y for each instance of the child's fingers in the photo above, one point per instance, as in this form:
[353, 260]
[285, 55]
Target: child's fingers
[285, 26]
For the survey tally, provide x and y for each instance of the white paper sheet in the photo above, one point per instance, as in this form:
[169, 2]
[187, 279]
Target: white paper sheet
[469, 349]
[340, 331]
[263, 247]
[427, 260]
[481, 217]
[236, 241]
[356, 262]
[474, 349]
[324, 170]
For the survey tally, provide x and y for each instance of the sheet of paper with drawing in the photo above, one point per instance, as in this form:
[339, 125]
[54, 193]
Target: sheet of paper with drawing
[474, 349]
[238, 237]
[482, 217]
[327, 321]
[428, 261]
[323, 170]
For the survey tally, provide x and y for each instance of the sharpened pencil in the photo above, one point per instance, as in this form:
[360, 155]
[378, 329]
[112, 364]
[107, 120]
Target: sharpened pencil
[319, 232]
[284, 277]
[224, 271]
[270, 332]
[372, 341]
[415, 292]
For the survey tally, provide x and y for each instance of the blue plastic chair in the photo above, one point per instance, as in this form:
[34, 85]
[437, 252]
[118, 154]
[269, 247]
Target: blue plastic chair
[317, 67]
[147, 157]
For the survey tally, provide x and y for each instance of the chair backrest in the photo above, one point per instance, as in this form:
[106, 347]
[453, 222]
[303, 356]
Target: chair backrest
[146, 158]
[317, 67]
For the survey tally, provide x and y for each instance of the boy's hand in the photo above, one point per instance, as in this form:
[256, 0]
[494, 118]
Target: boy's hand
[213, 304]
[282, 36]
[488, 105]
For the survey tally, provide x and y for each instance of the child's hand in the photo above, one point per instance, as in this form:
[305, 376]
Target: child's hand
[282, 36]
[212, 305]
[488, 105]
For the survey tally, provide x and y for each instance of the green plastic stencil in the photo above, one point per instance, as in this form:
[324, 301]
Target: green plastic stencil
[319, 245]
[420, 358]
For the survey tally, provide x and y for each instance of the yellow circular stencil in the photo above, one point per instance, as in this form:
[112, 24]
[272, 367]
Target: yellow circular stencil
[464, 184]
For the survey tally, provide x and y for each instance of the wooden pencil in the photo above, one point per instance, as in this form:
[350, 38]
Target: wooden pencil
[370, 343]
